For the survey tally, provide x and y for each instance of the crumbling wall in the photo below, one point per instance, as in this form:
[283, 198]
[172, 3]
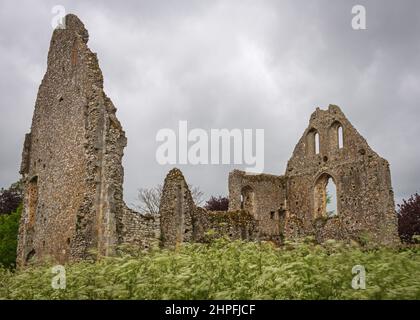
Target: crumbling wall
[264, 197]
[182, 221]
[176, 210]
[236, 225]
[142, 230]
[72, 157]
[365, 202]
[330, 148]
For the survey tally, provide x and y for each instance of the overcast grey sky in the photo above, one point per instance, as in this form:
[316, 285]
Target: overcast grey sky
[228, 64]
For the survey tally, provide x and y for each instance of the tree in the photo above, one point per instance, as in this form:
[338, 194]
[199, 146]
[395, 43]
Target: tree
[10, 198]
[9, 227]
[148, 199]
[409, 218]
[217, 204]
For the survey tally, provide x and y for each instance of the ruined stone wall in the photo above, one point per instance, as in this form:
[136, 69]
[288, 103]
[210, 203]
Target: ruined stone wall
[176, 210]
[365, 202]
[236, 225]
[330, 148]
[140, 230]
[72, 157]
[264, 196]
[182, 221]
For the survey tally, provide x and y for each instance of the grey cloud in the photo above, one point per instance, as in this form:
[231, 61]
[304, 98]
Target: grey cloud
[228, 64]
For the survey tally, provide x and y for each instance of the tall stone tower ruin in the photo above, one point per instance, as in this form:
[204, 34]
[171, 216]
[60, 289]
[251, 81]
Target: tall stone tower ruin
[71, 163]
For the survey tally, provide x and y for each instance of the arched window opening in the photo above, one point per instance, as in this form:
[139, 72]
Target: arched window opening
[331, 200]
[317, 143]
[340, 137]
[336, 135]
[247, 199]
[325, 197]
[312, 142]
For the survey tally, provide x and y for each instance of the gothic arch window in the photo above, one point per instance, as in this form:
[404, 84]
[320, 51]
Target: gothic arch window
[325, 197]
[336, 135]
[340, 137]
[312, 142]
[317, 143]
[331, 205]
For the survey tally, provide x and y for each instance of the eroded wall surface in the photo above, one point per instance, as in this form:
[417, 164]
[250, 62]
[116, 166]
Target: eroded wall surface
[365, 200]
[235, 225]
[330, 151]
[262, 195]
[182, 221]
[71, 162]
[176, 210]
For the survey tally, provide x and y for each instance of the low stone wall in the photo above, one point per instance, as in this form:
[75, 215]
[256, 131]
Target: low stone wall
[236, 225]
[138, 229]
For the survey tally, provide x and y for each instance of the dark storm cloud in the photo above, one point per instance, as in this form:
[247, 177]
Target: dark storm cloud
[228, 64]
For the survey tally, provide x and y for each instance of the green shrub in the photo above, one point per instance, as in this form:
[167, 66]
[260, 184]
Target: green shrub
[9, 226]
[229, 270]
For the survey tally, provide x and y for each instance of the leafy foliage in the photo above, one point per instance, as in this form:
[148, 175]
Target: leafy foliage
[10, 198]
[9, 226]
[217, 204]
[229, 270]
[409, 218]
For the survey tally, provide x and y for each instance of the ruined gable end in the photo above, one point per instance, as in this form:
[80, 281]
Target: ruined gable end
[331, 151]
[335, 187]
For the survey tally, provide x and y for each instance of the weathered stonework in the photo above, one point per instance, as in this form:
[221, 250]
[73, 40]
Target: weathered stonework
[236, 225]
[176, 210]
[72, 158]
[264, 196]
[140, 230]
[294, 205]
[365, 200]
[182, 221]
[73, 176]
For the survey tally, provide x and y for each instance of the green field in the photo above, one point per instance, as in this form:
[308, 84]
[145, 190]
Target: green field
[229, 270]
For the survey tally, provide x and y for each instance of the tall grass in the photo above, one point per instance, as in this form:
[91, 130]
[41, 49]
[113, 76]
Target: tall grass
[229, 270]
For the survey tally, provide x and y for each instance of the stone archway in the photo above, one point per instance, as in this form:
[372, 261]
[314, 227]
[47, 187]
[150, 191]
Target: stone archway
[325, 197]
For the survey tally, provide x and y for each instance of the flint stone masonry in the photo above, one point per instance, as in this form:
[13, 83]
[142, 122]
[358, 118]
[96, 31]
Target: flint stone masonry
[142, 230]
[71, 160]
[72, 174]
[236, 225]
[294, 205]
[176, 210]
[182, 221]
[365, 199]
[264, 196]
